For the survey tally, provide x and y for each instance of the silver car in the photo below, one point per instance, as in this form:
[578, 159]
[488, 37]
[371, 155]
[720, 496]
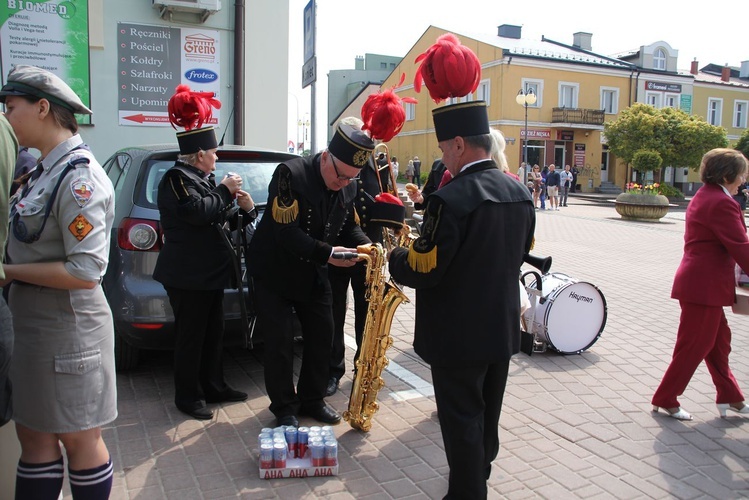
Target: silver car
[143, 318]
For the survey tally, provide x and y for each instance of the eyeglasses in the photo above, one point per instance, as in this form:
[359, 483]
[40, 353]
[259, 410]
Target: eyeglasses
[342, 177]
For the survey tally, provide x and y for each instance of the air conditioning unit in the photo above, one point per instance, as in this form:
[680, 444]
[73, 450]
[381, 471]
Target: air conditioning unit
[204, 8]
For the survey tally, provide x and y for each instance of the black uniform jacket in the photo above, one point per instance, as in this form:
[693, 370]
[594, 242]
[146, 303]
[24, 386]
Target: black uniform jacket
[367, 187]
[465, 268]
[294, 239]
[193, 210]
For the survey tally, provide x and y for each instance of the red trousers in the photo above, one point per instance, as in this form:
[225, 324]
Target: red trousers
[703, 335]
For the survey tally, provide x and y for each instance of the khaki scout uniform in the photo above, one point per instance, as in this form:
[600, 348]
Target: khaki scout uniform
[63, 369]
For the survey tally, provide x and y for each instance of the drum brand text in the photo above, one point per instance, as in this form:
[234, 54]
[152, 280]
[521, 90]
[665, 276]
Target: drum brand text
[578, 298]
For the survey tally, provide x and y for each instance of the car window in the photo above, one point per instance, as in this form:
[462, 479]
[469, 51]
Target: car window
[255, 178]
[116, 169]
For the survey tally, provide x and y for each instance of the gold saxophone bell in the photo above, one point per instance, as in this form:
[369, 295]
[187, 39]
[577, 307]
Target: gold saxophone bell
[383, 298]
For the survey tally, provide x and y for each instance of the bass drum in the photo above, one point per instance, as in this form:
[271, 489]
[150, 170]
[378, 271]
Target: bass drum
[571, 314]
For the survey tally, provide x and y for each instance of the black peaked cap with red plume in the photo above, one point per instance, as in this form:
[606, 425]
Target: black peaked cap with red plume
[450, 69]
[190, 110]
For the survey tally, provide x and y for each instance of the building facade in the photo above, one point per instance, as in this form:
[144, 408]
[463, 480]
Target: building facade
[577, 91]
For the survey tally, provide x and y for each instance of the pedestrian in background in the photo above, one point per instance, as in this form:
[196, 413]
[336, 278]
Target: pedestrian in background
[417, 171]
[715, 240]
[535, 177]
[410, 171]
[553, 180]
[196, 262]
[566, 180]
[62, 370]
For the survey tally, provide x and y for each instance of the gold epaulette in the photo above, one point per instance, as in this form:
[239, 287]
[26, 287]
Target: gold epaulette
[422, 262]
[285, 215]
[533, 243]
[357, 220]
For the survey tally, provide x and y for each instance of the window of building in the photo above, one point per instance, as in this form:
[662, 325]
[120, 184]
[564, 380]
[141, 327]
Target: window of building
[383, 65]
[568, 94]
[610, 100]
[653, 98]
[714, 108]
[659, 59]
[410, 111]
[483, 91]
[739, 113]
[672, 101]
[537, 86]
[392, 65]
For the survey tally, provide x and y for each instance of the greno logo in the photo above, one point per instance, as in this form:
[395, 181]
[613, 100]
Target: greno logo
[201, 75]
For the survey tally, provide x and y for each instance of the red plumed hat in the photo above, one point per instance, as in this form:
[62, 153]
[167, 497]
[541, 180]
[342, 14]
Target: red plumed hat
[388, 210]
[448, 69]
[383, 113]
[189, 109]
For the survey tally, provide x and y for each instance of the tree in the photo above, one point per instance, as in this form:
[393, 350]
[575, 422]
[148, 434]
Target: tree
[679, 138]
[743, 144]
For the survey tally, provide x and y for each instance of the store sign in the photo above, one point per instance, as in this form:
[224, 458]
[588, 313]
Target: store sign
[51, 35]
[663, 87]
[536, 134]
[565, 135]
[153, 60]
[579, 154]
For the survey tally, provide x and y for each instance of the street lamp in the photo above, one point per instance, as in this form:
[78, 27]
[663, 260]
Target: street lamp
[305, 125]
[524, 99]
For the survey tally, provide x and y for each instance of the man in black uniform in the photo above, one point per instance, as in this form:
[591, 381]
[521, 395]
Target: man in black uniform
[364, 202]
[309, 202]
[195, 266]
[465, 268]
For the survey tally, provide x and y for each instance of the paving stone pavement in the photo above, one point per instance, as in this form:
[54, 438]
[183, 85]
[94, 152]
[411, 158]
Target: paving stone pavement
[572, 426]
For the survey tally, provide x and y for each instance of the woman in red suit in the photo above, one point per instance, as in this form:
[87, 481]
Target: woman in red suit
[714, 241]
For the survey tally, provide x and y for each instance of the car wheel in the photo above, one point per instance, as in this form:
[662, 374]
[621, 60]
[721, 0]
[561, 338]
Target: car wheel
[125, 355]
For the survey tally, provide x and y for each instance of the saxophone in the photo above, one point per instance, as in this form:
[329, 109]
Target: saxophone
[383, 297]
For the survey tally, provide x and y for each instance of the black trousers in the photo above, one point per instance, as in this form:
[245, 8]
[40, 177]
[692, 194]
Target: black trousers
[340, 277]
[198, 350]
[275, 319]
[469, 402]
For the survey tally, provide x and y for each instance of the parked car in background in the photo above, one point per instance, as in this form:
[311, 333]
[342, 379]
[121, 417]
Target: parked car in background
[143, 317]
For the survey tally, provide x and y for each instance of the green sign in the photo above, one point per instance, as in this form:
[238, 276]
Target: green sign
[51, 35]
[686, 103]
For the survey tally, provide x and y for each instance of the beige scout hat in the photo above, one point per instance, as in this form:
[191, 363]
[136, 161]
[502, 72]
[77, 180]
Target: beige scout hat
[38, 82]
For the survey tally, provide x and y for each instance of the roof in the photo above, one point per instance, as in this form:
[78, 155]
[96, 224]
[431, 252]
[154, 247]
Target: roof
[543, 49]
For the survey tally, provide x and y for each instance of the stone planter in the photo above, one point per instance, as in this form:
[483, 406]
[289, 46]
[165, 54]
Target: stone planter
[643, 207]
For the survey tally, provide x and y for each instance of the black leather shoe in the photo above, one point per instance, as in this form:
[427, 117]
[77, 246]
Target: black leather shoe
[332, 386]
[323, 413]
[226, 396]
[289, 420]
[197, 411]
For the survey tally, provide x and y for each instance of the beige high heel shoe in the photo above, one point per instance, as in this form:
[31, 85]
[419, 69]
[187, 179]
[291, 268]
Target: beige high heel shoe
[679, 414]
[723, 407]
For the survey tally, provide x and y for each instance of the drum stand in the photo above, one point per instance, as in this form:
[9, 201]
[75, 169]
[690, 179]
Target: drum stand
[529, 342]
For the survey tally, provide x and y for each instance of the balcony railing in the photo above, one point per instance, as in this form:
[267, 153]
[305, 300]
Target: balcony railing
[576, 115]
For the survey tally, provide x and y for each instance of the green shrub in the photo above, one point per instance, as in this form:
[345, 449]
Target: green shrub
[670, 191]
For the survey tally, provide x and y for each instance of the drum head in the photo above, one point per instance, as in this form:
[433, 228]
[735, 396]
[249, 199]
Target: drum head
[575, 317]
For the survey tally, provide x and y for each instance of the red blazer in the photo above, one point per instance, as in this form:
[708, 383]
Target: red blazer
[714, 241]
